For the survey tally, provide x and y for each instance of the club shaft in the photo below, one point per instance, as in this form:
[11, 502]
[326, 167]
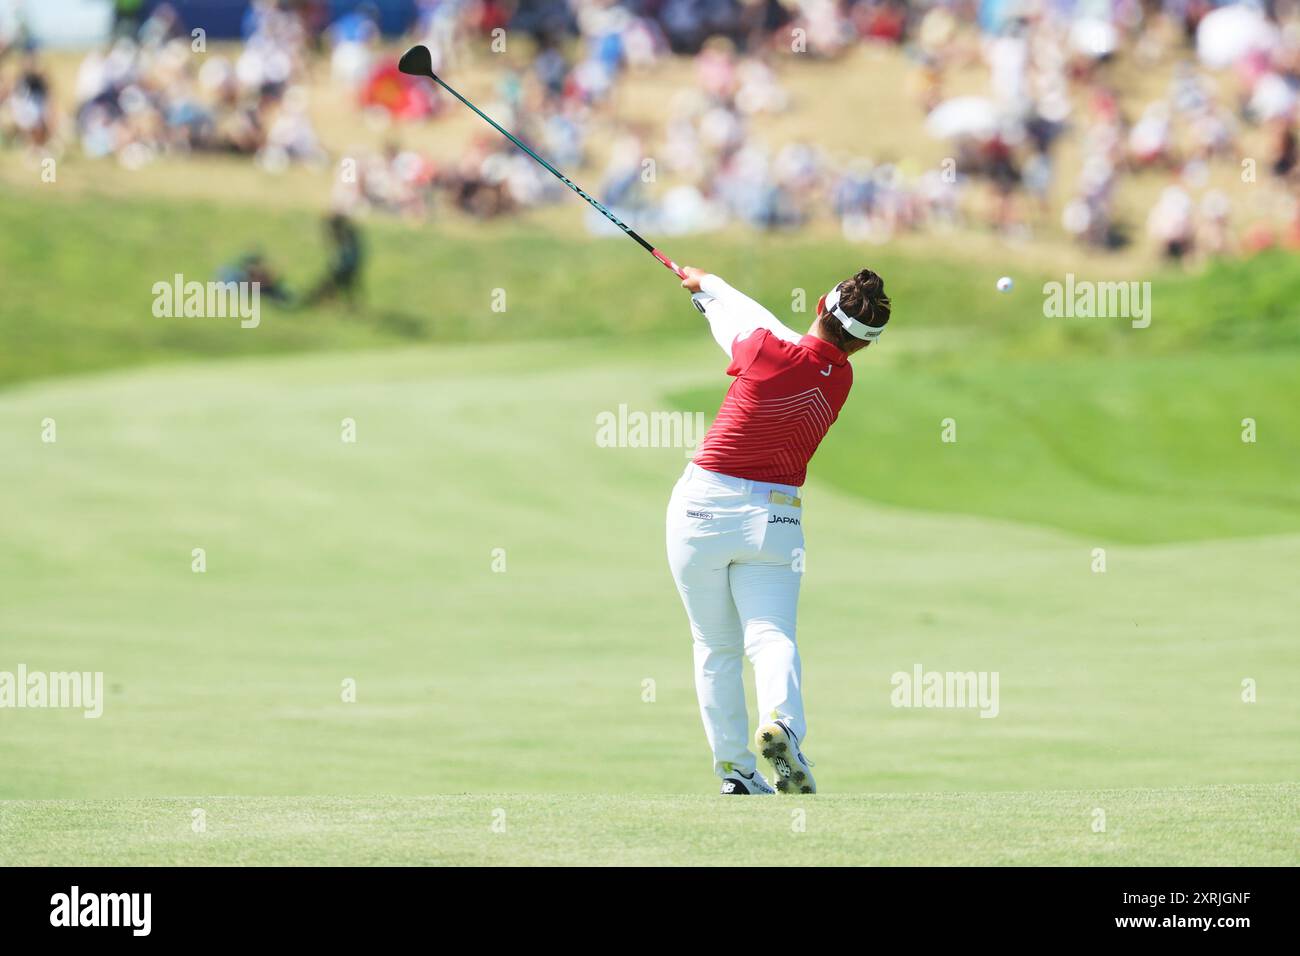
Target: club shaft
[599, 206]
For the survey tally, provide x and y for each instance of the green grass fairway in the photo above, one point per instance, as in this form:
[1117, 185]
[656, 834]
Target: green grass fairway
[493, 582]
[524, 690]
[1221, 825]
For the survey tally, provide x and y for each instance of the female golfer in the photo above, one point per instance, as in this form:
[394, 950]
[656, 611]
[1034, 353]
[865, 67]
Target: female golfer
[735, 542]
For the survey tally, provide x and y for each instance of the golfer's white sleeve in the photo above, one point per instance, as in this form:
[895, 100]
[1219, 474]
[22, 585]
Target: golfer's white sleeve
[732, 313]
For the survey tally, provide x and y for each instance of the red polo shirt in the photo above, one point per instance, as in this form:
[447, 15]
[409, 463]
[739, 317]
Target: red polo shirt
[785, 397]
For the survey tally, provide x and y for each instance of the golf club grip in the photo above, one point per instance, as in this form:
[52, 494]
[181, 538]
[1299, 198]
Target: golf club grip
[424, 70]
[677, 270]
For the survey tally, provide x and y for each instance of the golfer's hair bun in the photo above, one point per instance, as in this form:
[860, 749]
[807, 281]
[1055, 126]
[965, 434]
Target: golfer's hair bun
[863, 297]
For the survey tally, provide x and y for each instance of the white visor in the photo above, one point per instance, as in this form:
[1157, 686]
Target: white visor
[859, 330]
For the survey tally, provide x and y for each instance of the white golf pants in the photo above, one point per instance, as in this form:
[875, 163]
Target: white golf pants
[735, 548]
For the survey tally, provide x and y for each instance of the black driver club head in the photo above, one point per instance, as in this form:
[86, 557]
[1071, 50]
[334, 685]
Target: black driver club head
[417, 61]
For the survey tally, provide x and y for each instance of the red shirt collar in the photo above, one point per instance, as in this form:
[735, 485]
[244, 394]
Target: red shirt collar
[823, 349]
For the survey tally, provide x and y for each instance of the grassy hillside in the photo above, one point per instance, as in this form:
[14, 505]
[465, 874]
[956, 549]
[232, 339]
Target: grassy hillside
[1136, 450]
[79, 274]
[79, 277]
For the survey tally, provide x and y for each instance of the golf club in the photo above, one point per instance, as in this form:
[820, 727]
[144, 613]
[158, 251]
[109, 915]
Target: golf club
[417, 61]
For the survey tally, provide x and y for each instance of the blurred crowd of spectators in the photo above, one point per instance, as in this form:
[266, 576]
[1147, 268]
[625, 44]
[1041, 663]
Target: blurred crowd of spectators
[1049, 67]
[148, 93]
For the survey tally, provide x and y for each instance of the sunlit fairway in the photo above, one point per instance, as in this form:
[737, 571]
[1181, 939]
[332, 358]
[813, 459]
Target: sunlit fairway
[489, 582]
[373, 562]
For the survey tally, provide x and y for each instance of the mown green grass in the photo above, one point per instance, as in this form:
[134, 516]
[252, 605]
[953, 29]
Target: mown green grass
[1229, 826]
[373, 561]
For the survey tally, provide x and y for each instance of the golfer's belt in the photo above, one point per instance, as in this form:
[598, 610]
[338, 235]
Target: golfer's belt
[781, 498]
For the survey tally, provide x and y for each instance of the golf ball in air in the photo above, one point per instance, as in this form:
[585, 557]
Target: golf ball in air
[1004, 284]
